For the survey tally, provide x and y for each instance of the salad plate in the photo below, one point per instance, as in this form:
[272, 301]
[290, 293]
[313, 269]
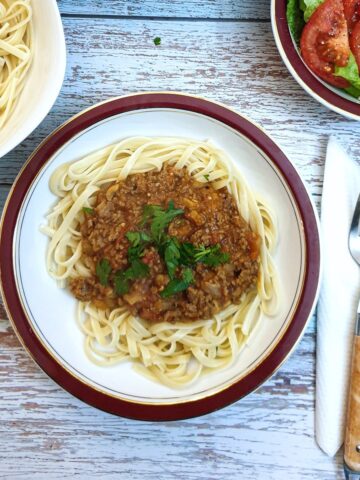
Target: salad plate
[336, 86]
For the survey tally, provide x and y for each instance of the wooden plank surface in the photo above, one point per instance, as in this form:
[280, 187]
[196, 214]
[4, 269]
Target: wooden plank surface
[268, 432]
[210, 9]
[47, 434]
[236, 64]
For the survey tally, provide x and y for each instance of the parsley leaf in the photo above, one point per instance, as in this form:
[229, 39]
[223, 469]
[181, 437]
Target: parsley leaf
[149, 212]
[187, 254]
[211, 256]
[172, 256]
[160, 219]
[157, 41]
[135, 238]
[103, 270]
[89, 211]
[207, 177]
[122, 278]
[138, 269]
[177, 285]
[121, 283]
[138, 241]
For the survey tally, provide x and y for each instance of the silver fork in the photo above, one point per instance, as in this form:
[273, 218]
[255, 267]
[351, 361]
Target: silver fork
[354, 234]
[352, 434]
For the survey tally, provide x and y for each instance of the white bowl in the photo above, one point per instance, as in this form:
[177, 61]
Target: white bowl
[44, 79]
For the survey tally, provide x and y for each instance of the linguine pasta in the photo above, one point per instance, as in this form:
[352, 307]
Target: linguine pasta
[16, 50]
[173, 353]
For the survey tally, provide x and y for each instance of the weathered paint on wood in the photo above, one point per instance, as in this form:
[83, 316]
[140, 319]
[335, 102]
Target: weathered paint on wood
[47, 434]
[55, 435]
[211, 9]
[236, 64]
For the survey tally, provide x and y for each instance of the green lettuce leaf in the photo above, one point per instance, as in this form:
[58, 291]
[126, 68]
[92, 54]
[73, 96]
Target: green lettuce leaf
[351, 74]
[309, 7]
[298, 12]
[295, 19]
[353, 91]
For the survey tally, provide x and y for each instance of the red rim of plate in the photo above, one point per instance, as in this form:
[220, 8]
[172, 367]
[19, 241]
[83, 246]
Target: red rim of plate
[22, 326]
[300, 71]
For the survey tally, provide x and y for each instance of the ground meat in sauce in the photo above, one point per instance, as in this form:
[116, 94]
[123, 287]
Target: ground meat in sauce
[210, 217]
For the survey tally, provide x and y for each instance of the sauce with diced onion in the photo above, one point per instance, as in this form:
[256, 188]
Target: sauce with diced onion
[210, 217]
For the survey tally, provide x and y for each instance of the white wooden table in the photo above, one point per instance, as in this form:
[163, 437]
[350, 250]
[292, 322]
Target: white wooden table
[223, 50]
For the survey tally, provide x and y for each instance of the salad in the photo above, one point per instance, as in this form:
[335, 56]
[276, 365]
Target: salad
[328, 33]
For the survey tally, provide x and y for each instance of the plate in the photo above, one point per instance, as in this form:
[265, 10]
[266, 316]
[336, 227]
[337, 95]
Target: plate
[44, 78]
[335, 99]
[43, 315]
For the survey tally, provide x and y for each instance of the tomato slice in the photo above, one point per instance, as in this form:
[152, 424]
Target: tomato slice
[352, 12]
[355, 42]
[324, 42]
[352, 15]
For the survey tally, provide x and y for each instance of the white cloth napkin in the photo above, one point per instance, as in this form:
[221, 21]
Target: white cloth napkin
[339, 296]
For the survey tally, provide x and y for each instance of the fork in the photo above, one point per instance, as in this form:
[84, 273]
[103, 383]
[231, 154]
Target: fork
[352, 433]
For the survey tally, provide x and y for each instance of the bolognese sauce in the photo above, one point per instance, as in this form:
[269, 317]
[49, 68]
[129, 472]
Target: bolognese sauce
[202, 219]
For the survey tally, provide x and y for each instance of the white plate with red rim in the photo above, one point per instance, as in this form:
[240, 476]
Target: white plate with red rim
[43, 315]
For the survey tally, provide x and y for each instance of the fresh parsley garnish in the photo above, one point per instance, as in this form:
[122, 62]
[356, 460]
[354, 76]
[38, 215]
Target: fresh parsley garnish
[178, 256]
[138, 269]
[138, 242]
[103, 270]
[207, 177]
[172, 256]
[157, 41]
[149, 212]
[211, 256]
[122, 278]
[88, 210]
[159, 219]
[121, 283]
[177, 285]
[187, 254]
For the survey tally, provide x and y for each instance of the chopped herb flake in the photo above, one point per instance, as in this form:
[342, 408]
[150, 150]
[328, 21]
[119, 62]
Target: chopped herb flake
[177, 285]
[172, 256]
[160, 219]
[138, 269]
[187, 254]
[135, 238]
[138, 241]
[122, 278]
[157, 41]
[89, 211]
[211, 256]
[121, 283]
[103, 270]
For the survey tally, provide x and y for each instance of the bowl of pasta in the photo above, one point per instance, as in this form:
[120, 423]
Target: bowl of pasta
[32, 66]
[175, 256]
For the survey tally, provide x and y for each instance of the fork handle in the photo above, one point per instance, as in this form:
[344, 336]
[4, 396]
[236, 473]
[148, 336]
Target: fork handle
[352, 433]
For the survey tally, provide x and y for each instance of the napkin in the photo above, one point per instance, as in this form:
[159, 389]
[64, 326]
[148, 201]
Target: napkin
[338, 299]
